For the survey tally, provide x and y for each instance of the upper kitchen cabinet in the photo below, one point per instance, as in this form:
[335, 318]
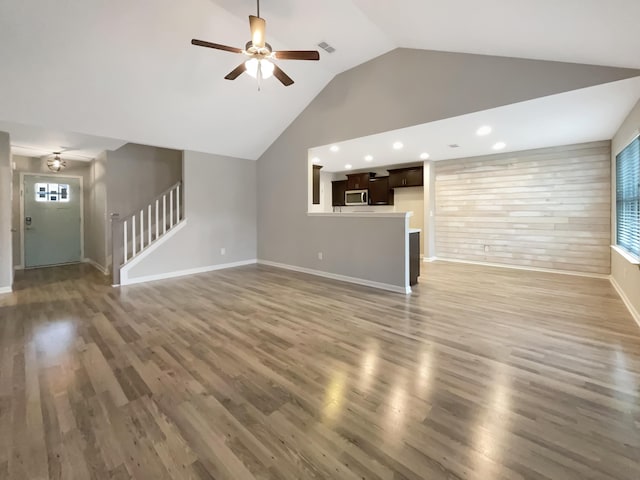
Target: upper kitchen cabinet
[359, 181]
[316, 184]
[406, 177]
[379, 191]
[338, 188]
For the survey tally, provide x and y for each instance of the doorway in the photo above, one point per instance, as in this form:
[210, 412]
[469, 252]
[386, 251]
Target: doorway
[51, 220]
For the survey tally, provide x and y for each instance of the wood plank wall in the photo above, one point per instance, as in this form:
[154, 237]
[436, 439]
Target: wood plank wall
[546, 208]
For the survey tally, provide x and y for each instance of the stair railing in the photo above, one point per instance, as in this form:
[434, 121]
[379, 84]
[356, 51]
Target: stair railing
[134, 233]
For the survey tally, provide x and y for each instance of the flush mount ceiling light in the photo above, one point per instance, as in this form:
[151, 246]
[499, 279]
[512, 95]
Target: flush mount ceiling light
[260, 64]
[55, 163]
[424, 156]
[398, 146]
[499, 146]
[368, 158]
[485, 130]
[348, 166]
[334, 148]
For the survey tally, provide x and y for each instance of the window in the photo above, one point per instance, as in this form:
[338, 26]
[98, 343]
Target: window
[628, 198]
[52, 192]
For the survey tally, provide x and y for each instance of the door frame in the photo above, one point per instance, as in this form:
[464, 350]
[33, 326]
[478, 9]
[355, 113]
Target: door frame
[31, 174]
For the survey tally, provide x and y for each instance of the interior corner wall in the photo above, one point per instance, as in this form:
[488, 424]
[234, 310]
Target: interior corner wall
[36, 165]
[220, 211]
[399, 89]
[95, 247]
[6, 260]
[625, 274]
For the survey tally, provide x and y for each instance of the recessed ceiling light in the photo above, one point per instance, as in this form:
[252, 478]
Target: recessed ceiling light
[315, 160]
[482, 131]
[334, 148]
[398, 146]
[348, 166]
[424, 156]
[368, 158]
[499, 146]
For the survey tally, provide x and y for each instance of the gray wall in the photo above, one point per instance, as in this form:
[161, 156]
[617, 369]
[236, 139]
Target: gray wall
[399, 89]
[136, 174]
[220, 208]
[625, 274]
[6, 261]
[95, 247]
[546, 208]
[39, 165]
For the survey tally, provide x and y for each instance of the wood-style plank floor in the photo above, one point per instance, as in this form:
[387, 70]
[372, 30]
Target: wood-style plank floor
[260, 373]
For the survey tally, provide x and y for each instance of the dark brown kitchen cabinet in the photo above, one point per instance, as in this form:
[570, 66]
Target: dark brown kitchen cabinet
[379, 191]
[338, 188]
[406, 177]
[359, 181]
[316, 184]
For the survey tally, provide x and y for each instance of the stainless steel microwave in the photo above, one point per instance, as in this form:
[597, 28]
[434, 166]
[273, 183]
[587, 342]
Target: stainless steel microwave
[356, 197]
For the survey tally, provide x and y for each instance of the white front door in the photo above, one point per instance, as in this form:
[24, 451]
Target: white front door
[52, 220]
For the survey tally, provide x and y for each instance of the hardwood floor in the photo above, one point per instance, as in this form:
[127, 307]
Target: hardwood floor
[260, 373]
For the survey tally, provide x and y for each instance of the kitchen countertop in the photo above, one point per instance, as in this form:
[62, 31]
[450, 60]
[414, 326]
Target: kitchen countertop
[415, 230]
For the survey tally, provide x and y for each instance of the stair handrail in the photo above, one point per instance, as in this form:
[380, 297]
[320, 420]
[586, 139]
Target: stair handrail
[153, 200]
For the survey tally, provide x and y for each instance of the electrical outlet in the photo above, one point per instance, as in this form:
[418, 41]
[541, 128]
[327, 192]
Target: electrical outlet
[320, 255]
[223, 251]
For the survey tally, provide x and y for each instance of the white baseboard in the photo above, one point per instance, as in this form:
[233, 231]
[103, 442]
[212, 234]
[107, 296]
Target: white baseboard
[429, 259]
[335, 276]
[634, 313]
[18, 267]
[182, 273]
[520, 267]
[5, 290]
[96, 265]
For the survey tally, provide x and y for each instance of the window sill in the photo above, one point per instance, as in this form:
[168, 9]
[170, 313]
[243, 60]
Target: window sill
[632, 259]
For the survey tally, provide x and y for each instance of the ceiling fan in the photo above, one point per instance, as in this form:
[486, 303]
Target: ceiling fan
[260, 64]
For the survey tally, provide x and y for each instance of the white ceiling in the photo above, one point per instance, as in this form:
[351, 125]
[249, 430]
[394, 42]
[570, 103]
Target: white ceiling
[125, 69]
[586, 115]
[32, 141]
[599, 32]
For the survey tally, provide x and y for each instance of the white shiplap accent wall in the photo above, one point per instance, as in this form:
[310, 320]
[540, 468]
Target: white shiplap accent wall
[547, 208]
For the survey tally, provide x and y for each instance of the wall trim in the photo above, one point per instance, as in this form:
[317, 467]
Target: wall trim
[429, 259]
[634, 313]
[96, 265]
[520, 267]
[182, 273]
[18, 267]
[4, 290]
[335, 276]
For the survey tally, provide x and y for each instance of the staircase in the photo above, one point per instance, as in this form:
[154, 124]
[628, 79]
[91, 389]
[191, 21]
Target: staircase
[135, 233]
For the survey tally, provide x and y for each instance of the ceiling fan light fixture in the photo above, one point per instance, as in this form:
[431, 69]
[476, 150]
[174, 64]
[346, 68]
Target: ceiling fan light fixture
[264, 67]
[56, 164]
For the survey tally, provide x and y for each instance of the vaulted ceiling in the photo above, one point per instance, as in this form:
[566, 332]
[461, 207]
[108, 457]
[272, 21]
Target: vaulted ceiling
[125, 69]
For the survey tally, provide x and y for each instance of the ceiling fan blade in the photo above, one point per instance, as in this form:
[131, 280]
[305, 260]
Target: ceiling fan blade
[258, 29]
[297, 55]
[217, 46]
[280, 75]
[236, 72]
